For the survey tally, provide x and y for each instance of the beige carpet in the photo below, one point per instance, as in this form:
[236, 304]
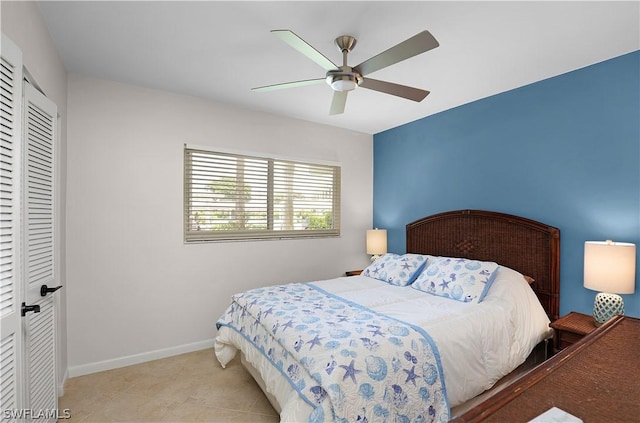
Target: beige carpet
[186, 388]
[193, 388]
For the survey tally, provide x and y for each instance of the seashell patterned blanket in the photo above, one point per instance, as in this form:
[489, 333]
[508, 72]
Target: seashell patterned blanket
[350, 363]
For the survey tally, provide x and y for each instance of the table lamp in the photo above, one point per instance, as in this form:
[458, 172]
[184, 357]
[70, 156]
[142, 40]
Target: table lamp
[609, 267]
[376, 243]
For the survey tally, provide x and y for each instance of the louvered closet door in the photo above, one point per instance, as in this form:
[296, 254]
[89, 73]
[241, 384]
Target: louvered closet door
[38, 251]
[10, 287]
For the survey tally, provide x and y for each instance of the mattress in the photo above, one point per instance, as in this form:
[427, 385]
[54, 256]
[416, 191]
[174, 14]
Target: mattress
[476, 344]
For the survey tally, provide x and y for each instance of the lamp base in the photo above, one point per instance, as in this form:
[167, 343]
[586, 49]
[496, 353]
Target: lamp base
[375, 257]
[606, 306]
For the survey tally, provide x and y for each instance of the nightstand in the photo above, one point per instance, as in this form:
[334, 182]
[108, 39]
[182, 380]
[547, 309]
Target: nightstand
[570, 329]
[353, 272]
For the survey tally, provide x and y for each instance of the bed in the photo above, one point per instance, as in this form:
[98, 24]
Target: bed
[364, 348]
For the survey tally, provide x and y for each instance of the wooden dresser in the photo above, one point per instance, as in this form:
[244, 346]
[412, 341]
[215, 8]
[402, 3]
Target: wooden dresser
[597, 379]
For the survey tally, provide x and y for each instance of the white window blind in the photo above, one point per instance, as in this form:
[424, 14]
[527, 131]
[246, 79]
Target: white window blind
[229, 196]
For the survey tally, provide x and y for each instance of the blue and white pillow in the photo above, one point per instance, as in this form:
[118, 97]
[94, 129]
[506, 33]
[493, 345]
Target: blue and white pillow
[457, 278]
[395, 269]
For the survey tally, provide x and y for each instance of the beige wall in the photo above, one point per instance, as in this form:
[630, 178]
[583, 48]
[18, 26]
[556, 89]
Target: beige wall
[22, 22]
[136, 291]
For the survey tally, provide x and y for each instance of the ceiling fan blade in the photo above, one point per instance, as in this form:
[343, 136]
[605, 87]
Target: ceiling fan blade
[338, 102]
[288, 85]
[398, 90]
[413, 46]
[303, 47]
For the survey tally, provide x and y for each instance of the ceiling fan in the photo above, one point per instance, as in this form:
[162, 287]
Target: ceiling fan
[343, 79]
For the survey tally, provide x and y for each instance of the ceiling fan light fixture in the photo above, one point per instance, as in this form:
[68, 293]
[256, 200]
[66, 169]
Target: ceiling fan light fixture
[343, 81]
[343, 84]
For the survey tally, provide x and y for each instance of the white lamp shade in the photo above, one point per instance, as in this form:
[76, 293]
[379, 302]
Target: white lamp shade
[376, 241]
[610, 266]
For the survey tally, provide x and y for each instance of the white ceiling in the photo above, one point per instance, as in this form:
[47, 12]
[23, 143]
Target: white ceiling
[220, 50]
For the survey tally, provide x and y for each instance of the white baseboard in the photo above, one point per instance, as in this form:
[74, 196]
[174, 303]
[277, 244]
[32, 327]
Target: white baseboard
[62, 382]
[100, 366]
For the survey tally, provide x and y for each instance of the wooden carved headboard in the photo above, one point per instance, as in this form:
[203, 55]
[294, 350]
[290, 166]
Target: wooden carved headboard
[532, 248]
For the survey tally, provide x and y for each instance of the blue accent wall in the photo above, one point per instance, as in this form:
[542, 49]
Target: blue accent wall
[564, 151]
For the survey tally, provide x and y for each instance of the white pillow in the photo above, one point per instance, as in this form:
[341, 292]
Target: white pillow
[395, 269]
[457, 278]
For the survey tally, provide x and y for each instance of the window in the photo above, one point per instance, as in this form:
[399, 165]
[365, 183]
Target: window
[228, 196]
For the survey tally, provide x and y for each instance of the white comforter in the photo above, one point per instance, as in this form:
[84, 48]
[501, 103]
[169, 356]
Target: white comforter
[478, 343]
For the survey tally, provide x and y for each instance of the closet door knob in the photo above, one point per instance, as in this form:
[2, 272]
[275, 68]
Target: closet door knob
[27, 308]
[44, 290]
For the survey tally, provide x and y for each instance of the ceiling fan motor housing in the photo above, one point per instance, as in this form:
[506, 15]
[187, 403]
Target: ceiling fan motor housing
[343, 80]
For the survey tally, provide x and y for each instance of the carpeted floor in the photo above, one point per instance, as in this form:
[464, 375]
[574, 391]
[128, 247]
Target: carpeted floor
[190, 387]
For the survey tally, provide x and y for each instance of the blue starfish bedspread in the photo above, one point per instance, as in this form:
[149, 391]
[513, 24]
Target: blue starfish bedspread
[350, 363]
